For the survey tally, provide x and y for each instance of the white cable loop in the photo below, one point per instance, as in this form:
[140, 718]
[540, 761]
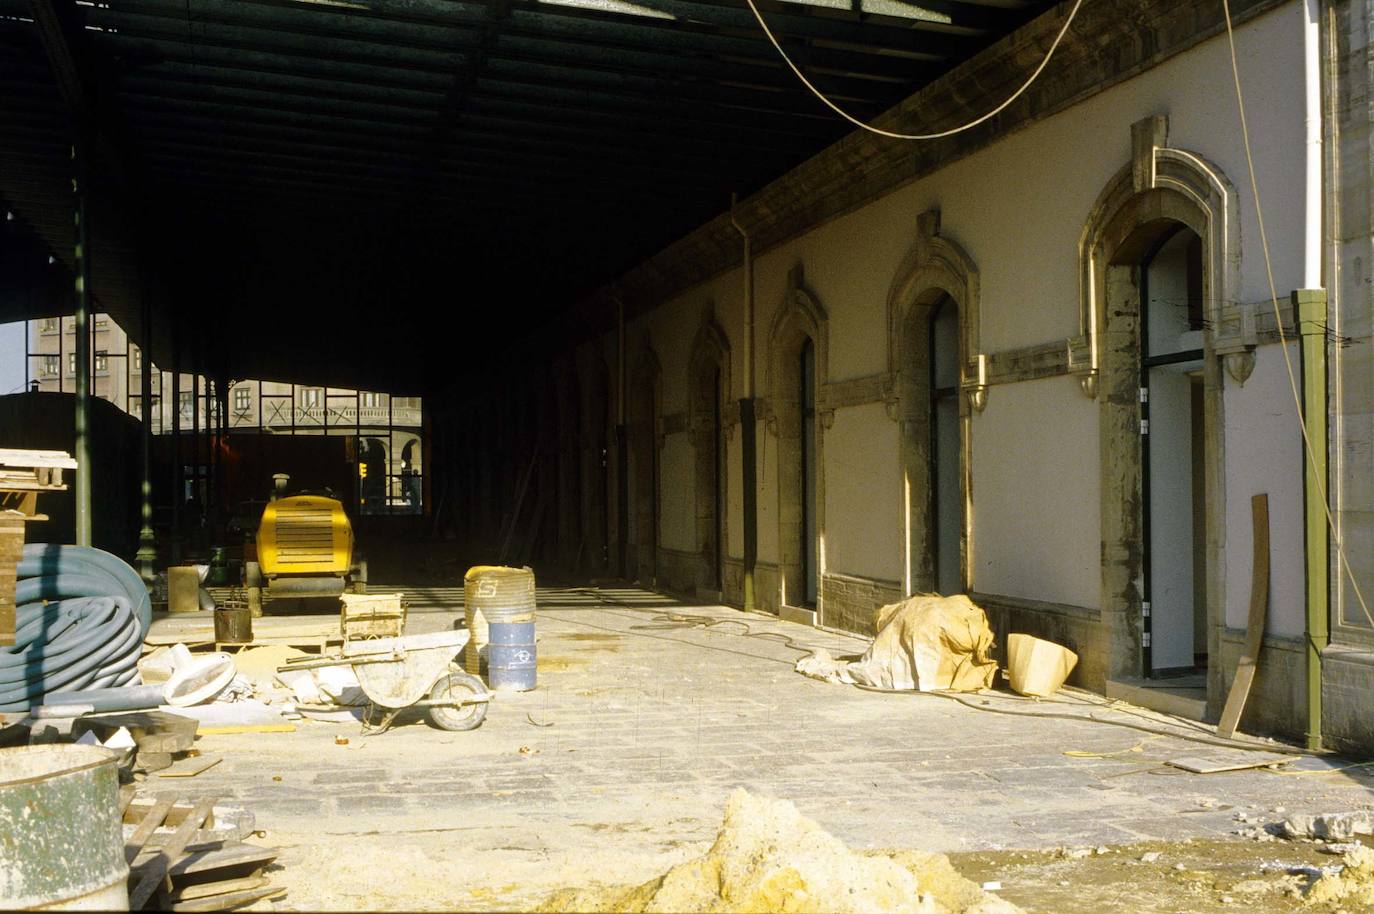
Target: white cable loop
[914, 136]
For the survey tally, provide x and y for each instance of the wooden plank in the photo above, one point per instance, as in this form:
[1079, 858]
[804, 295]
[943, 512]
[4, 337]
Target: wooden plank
[190, 767]
[149, 823]
[1213, 765]
[154, 872]
[222, 887]
[251, 728]
[1254, 626]
[201, 859]
[226, 902]
[20, 457]
[199, 628]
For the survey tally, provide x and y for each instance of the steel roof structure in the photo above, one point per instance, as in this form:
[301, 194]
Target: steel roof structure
[311, 182]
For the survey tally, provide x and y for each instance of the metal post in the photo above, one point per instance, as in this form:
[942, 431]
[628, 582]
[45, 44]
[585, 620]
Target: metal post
[82, 326]
[195, 454]
[178, 488]
[213, 420]
[1309, 306]
[147, 547]
[748, 424]
[622, 456]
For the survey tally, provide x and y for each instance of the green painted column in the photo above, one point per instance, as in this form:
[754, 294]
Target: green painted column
[750, 493]
[147, 546]
[81, 271]
[1309, 308]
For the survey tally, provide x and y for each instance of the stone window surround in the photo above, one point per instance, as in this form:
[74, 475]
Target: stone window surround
[1158, 188]
[800, 317]
[933, 269]
[710, 352]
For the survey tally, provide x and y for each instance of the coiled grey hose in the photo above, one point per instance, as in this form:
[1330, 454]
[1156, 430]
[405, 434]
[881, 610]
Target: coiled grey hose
[80, 621]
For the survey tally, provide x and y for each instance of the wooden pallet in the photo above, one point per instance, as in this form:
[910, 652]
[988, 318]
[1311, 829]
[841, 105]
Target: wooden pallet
[197, 630]
[173, 868]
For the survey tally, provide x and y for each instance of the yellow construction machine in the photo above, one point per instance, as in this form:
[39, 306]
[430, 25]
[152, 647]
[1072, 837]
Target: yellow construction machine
[304, 548]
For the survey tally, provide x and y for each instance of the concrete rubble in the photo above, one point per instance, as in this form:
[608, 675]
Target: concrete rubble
[769, 857]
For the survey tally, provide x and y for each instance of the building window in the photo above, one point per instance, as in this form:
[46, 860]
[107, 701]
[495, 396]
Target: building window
[102, 362]
[101, 322]
[50, 366]
[185, 403]
[49, 325]
[243, 399]
[71, 363]
[137, 355]
[310, 398]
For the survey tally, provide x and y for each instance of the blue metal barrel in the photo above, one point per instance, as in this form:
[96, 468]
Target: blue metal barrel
[511, 655]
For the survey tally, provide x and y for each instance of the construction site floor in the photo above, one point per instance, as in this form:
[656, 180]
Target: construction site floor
[618, 765]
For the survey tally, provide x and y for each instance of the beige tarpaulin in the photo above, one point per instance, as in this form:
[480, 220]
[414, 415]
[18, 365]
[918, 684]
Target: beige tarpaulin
[926, 643]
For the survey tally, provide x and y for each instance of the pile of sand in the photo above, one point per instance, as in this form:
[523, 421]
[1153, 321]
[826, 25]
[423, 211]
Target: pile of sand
[1352, 885]
[768, 857]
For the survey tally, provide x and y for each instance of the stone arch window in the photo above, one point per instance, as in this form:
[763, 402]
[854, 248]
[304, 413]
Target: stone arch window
[1149, 201]
[645, 411]
[1168, 186]
[708, 386]
[935, 276]
[795, 421]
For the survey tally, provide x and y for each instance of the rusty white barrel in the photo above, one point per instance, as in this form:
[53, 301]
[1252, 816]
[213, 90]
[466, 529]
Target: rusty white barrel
[61, 837]
[494, 594]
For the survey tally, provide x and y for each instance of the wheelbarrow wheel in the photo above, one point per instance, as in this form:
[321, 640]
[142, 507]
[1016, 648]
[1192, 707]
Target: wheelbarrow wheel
[456, 687]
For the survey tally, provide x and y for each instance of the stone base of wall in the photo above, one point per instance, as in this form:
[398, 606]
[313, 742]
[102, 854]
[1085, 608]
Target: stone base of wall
[1078, 628]
[851, 603]
[1347, 683]
[765, 585]
[1277, 704]
[677, 570]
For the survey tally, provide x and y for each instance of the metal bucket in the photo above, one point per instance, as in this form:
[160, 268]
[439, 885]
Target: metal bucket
[61, 838]
[511, 656]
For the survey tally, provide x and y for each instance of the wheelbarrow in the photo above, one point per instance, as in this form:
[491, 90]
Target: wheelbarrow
[411, 671]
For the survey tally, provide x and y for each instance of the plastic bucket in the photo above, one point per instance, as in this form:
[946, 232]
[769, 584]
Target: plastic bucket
[1037, 667]
[61, 840]
[511, 656]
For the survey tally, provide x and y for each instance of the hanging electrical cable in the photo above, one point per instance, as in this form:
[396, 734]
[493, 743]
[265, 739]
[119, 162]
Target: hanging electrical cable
[915, 136]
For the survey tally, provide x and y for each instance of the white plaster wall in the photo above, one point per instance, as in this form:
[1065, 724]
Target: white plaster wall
[1036, 494]
[677, 496]
[862, 473]
[671, 331]
[1018, 208]
[1264, 454]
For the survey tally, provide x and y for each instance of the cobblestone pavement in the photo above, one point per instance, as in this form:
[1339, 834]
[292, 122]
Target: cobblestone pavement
[619, 763]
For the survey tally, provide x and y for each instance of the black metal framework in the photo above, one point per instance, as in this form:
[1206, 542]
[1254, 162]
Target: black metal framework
[213, 121]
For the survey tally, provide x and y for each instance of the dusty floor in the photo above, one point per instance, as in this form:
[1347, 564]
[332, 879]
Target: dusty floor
[618, 767]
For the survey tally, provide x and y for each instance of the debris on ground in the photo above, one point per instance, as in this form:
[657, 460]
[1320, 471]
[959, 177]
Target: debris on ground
[1339, 826]
[769, 857]
[190, 856]
[926, 642]
[1354, 884]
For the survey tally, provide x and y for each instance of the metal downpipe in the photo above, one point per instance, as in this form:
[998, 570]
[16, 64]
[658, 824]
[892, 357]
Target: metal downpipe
[748, 425]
